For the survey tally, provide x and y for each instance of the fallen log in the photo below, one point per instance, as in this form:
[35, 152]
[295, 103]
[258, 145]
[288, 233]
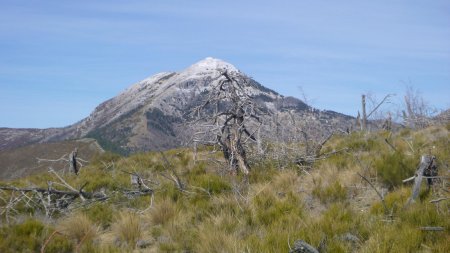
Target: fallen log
[432, 228]
[87, 195]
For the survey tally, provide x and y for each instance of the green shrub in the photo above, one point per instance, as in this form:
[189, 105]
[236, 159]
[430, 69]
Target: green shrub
[394, 167]
[24, 237]
[359, 143]
[394, 201]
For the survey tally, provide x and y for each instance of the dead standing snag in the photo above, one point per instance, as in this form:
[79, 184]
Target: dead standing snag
[233, 112]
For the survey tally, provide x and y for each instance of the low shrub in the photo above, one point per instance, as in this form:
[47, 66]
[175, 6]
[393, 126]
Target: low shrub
[394, 167]
[23, 237]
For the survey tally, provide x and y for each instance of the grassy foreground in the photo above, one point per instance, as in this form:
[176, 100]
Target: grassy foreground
[328, 206]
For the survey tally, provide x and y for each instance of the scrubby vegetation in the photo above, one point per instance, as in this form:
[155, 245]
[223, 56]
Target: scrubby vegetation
[329, 206]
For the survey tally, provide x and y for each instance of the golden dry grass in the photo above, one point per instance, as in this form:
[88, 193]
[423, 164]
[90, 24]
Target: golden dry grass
[79, 228]
[127, 228]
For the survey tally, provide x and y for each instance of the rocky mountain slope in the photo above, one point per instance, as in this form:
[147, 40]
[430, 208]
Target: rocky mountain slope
[150, 114]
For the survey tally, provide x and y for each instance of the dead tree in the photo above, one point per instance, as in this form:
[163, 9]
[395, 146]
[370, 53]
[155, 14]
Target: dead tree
[299, 138]
[73, 162]
[376, 106]
[417, 112]
[364, 115]
[225, 118]
[427, 169]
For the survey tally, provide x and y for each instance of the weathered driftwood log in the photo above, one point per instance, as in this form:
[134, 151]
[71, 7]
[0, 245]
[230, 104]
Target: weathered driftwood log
[301, 246]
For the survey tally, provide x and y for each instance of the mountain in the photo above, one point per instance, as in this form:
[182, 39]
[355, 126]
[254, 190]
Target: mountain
[150, 115]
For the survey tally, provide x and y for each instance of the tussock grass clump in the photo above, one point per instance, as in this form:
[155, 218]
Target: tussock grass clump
[270, 206]
[79, 228]
[394, 201]
[213, 184]
[393, 238]
[334, 192]
[29, 236]
[216, 240]
[163, 212]
[127, 228]
[102, 213]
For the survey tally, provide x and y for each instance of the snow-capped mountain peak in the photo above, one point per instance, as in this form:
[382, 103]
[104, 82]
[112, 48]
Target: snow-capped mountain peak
[208, 66]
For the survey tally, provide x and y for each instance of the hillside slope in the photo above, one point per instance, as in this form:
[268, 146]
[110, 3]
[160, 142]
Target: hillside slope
[150, 115]
[329, 206]
[21, 162]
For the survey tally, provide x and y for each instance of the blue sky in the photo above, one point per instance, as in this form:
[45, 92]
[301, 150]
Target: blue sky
[59, 59]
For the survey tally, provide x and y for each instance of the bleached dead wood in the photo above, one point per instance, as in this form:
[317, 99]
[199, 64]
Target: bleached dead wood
[75, 163]
[425, 162]
[223, 119]
[438, 200]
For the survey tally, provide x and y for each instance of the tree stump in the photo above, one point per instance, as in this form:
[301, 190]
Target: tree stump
[426, 161]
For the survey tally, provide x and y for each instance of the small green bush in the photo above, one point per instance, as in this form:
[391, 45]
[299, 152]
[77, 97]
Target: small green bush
[24, 237]
[394, 167]
[358, 143]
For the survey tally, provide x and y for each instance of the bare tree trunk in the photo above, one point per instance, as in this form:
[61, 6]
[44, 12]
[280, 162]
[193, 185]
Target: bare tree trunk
[364, 116]
[425, 161]
[73, 162]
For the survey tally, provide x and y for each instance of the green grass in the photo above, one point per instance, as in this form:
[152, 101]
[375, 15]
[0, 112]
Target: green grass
[218, 212]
